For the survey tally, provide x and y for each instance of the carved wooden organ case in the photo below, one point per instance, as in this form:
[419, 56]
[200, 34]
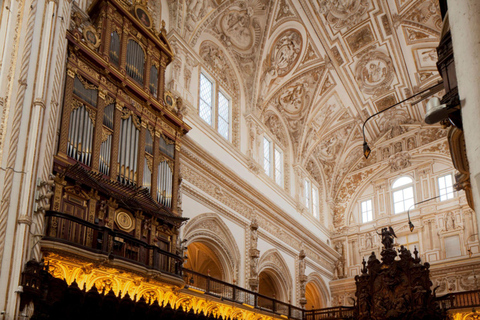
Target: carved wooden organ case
[396, 288]
[117, 167]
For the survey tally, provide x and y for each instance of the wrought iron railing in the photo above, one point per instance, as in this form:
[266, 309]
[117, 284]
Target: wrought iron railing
[65, 228]
[330, 313]
[203, 283]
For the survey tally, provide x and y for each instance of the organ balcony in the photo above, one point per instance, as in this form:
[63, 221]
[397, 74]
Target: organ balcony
[117, 165]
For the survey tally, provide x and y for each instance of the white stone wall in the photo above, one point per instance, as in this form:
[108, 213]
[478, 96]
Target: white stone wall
[31, 81]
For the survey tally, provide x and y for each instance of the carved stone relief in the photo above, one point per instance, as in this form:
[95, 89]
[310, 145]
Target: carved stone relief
[282, 57]
[217, 62]
[360, 39]
[399, 160]
[273, 123]
[254, 254]
[374, 73]
[343, 14]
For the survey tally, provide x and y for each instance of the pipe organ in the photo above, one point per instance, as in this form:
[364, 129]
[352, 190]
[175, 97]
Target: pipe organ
[117, 166]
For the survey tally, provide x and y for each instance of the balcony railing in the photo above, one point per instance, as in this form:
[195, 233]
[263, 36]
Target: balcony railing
[330, 313]
[226, 291]
[458, 300]
[102, 240]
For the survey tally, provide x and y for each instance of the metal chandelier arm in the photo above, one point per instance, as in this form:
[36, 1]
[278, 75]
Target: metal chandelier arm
[410, 224]
[366, 149]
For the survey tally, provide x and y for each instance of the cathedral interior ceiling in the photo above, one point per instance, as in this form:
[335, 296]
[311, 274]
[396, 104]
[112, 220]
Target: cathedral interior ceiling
[313, 70]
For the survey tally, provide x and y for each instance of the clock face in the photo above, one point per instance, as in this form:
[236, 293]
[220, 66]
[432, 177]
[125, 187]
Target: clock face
[125, 221]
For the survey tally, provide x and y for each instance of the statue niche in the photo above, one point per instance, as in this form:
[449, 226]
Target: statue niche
[395, 288]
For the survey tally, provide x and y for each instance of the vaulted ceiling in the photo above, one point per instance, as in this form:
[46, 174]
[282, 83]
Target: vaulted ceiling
[312, 71]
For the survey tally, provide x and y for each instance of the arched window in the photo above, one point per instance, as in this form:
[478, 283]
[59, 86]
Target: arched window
[135, 61]
[114, 48]
[403, 197]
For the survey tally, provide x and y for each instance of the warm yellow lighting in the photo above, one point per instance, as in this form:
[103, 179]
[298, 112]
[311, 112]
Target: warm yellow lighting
[195, 290]
[247, 305]
[104, 278]
[366, 150]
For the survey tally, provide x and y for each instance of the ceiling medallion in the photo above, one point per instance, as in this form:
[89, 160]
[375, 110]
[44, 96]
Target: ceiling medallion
[281, 59]
[374, 73]
[343, 13]
[237, 28]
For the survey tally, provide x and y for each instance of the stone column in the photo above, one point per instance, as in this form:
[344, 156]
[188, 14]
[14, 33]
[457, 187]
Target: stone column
[464, 17]
[302, 278]
[254, 255]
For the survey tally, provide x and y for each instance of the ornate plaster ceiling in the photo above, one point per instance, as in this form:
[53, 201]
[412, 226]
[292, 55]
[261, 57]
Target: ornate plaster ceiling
[311, 71]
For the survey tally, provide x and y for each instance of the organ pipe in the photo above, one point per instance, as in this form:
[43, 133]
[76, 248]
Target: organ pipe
[108, 113]
[128, 150]
[115, 48]
[87, 92]
[105, 154]
[80, 135]
[135, 61]
[164, 184]
[147, 175]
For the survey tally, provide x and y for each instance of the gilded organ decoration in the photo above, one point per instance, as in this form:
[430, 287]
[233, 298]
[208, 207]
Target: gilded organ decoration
[117, 143]
[124, 220]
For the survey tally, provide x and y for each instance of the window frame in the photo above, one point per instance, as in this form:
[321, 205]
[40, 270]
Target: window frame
[448, 195]
[312, 190]
[273, 149]
[362, 213]
[315, 206]
[222, 92]
[210, 79]
[217, 90]
[403, 188]
[307, 193]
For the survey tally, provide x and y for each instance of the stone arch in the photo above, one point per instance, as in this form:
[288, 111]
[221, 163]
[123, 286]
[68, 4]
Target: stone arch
[273, 265]
[208, 229]
[357, 182]
[318, 290]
